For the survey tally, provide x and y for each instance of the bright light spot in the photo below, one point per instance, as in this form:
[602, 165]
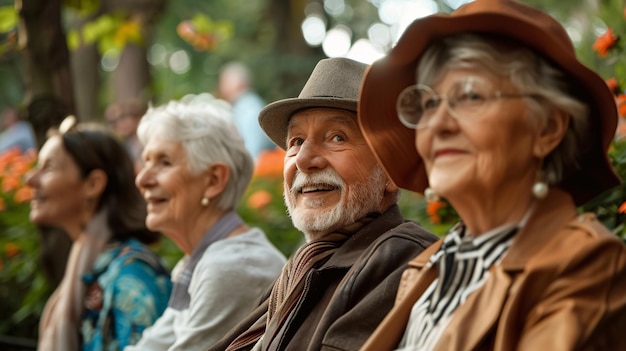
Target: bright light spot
[334, 7]
[364, 51]
[455, 4]
[598, 25]
[314, 30]
[337, 41]
[179, 62]
[110, 59]
[410, 12]
[399, 11]
[157, 56]
[574, 33]
[379, 35]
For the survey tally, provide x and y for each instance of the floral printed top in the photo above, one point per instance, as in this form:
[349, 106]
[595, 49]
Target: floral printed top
[127, 291]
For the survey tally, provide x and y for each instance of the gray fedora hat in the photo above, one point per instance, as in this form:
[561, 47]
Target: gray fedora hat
[334, 83]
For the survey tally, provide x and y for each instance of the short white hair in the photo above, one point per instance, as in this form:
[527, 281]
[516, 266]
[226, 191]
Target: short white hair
[204, 126]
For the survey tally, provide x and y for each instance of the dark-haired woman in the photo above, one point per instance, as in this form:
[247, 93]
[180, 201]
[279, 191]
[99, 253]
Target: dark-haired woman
[114, 286]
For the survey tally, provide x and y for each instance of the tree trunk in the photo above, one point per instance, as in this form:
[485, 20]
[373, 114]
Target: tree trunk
[131, 78]
[49, 95]
[48, 78]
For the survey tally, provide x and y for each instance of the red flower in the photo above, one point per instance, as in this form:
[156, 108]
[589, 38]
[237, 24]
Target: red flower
[622, 208]
[605, 42]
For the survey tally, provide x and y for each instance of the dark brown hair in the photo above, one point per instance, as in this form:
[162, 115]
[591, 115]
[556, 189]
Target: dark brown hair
[92, 146]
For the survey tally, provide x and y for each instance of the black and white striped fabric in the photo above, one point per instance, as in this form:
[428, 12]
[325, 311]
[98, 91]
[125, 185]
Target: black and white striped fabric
[463, 262]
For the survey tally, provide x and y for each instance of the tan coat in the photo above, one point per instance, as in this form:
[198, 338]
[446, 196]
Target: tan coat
[561, 286]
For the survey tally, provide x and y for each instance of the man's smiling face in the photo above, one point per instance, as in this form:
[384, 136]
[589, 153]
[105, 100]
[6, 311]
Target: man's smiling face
[332, 178]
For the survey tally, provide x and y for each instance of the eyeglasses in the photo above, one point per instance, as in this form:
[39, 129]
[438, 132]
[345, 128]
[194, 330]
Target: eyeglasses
[417, 104]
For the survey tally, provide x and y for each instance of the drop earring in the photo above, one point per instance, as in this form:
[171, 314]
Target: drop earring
[205, 201]
[540, 187]
[430, 195]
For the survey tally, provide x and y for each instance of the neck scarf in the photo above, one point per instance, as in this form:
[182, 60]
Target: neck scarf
[464, 263]
[289, 286]
[60, 321]
[179, 300]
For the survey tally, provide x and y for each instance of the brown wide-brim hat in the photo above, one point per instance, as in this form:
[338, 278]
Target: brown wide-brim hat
[394, 144]
[334, 83]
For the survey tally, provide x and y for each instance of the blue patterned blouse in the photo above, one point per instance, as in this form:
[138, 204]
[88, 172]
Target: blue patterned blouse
[127, 291]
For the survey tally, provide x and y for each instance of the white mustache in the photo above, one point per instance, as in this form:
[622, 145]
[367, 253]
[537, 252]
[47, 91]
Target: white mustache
[325, 177]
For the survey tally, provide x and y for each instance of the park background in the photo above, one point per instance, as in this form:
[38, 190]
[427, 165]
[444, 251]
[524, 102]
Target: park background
[60, 57]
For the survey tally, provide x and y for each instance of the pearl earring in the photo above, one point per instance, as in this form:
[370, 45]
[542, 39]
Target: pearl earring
[430, 195]
[540, 189]
[205, 201]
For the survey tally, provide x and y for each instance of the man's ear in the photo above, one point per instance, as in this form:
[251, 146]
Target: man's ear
[217, 177]
[95, 183]
[552, 133]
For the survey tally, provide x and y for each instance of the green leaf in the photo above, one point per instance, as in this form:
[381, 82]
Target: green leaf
[8, 19]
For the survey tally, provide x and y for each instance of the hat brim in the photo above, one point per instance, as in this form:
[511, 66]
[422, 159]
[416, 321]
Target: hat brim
[386, 78]
[274, 118]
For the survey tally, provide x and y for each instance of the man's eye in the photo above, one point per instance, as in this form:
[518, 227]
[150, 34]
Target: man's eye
[295, 142]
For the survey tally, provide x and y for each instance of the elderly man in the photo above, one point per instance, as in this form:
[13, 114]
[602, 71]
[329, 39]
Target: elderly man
[336, 288]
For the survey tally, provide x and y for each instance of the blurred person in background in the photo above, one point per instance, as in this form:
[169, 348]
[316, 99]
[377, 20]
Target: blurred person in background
[490, 109]
[16, 132]
[235, 86]
[195, 171]
[123, 118]
[113, 286]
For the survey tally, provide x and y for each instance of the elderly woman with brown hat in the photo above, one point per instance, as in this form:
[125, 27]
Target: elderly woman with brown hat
[490, 109]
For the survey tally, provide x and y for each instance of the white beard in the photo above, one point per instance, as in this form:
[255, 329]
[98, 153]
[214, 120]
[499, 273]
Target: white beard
[363, 198]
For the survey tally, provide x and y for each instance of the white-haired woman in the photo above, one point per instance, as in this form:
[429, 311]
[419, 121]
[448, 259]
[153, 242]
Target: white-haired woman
[196, 169]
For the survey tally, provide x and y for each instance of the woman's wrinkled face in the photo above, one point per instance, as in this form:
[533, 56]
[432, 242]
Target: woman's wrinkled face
[480, 152]
[58, 187]
[172, 193]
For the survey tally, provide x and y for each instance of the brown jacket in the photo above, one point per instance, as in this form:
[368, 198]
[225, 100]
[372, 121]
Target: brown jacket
[561, 286]
[348, 296]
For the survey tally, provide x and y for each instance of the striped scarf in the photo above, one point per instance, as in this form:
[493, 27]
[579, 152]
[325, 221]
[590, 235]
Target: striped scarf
[464, 262]
[289, 286]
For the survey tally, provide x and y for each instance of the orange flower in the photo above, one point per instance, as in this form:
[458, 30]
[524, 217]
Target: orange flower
[433, 207]
[11, 249]
[435, 219]
[24, 194]
[270, 163]
[622, 208]
[10, 183]
[605, 42]
[613, 85]
[259, 199]
[621, 104]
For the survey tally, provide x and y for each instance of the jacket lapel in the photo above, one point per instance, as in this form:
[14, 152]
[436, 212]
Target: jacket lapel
[474, 319]
[391, 330]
